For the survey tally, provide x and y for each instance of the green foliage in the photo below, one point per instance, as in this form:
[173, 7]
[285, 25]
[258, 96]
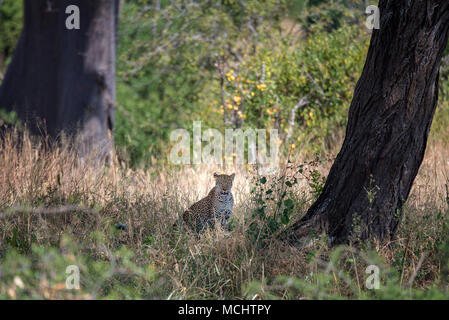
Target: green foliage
[317, 183]
[331, 14]
[105, 273]
[441, 119]
[274, 205]
[344, 275]
[11, 15]
[9, 119]
[231, 65]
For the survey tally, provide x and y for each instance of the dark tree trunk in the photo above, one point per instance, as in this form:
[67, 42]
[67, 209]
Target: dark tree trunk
[64, 80]
[388, 125]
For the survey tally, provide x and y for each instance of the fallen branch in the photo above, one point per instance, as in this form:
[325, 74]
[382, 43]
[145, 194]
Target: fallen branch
[46, 211]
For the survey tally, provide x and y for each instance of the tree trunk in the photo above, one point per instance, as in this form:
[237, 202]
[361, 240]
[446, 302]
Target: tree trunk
[64, 80]
[388, 126]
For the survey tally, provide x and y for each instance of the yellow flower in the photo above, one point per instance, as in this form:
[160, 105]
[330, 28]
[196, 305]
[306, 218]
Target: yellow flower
[237, 99]
[261, 86]
[252, 94]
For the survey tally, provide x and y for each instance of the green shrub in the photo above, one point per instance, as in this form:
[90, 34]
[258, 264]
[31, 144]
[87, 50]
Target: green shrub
[104, 273]
[344, 275]
[11, 15]
[275, 204]
[216, 71]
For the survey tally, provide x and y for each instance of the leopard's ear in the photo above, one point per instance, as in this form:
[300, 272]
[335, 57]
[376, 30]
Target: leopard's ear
[216, 175]
[232, 176]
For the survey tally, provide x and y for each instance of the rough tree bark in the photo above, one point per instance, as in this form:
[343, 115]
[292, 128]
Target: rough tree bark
[64, 80]
[388, 126]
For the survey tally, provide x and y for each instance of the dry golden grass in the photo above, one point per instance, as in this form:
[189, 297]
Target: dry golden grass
[47, 193]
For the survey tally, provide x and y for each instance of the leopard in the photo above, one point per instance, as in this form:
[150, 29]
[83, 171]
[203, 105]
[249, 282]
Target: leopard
[215, 207]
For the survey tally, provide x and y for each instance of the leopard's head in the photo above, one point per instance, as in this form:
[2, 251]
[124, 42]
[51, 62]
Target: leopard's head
[223, 183]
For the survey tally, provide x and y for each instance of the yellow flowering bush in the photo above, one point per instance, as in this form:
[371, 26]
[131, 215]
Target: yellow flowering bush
[322, 70]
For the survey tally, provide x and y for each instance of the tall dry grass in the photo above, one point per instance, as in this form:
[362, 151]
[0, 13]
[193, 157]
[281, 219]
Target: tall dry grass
[47, 193]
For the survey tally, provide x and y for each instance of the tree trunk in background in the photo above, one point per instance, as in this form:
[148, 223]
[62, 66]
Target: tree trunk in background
[61, 79]
[388, 126]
